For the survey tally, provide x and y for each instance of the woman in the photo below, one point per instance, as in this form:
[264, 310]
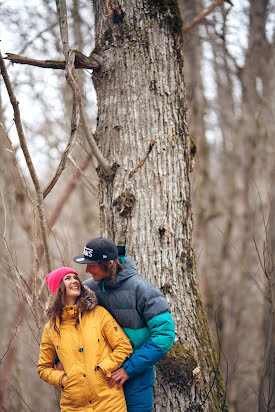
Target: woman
[89, 343]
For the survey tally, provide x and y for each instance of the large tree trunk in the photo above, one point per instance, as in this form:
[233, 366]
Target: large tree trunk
[141, 108]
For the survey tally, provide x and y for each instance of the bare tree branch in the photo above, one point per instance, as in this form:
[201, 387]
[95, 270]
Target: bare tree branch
[81, 62]
[37, 36]
[5, 213]
[92, 143]
[79, 169]
[72, 81]
[63, 26]
[70, 76]
[141, 163]
[8, 358]
[67, 192]
[21, 397]
[24, 146]
[13, 152]
[197, 20]
[77, 105]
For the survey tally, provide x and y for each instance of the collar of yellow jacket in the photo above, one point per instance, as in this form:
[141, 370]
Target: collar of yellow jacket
[69, 312]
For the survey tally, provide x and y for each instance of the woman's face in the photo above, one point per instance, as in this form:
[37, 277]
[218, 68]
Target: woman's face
[72, 288]
[96, 271]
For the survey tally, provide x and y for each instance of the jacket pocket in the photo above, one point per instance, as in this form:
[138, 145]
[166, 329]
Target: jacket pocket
[101, 382]
[71, 390]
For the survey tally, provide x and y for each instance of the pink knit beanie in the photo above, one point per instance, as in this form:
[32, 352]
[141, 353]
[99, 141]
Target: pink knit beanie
[54, 278]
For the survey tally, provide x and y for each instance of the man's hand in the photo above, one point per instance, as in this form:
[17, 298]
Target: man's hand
[59, 367]
[119, 376]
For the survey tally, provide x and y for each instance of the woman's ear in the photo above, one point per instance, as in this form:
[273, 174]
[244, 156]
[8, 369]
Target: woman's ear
[111, 262]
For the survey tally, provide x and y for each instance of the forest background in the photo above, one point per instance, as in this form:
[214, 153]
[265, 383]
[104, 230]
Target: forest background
[229, 77]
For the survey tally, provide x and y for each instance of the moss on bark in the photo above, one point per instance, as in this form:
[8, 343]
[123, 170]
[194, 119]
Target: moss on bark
[171, 12]
[176, 368]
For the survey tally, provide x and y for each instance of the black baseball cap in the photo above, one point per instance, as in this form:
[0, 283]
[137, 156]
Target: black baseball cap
[97, 250]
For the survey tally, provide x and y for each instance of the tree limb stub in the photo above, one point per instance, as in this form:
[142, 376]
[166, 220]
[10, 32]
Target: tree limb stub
[197, 20]
[81, 62]
[141, 163]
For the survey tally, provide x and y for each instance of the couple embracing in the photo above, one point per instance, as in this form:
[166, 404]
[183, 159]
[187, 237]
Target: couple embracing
[104, 336]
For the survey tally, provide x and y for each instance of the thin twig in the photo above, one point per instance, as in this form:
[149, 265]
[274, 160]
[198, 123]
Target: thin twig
[5, 213]
[28, 159]
[141, 163]
[37, 36]
[70, 76]
[72, 81]
[239, 256]
[20, 396]
[197, 20]
[80, 170]
[92, 143]
[13, 152]
[66, 193]
[13, 336]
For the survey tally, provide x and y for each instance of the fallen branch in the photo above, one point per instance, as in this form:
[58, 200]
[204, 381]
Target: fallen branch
[141, 163]
[197, 20]
[81, 62]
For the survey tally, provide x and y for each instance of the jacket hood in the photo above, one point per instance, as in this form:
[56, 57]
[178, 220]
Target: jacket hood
[86, 302]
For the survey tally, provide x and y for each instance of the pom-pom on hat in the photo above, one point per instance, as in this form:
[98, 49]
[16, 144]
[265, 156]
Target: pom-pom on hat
[54, 278]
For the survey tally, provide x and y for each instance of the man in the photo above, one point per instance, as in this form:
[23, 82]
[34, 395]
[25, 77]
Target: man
[140, 309]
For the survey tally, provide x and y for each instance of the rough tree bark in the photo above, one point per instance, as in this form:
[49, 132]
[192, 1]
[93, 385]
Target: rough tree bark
[146, 205]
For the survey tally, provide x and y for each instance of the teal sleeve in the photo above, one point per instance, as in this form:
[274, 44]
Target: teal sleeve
[162, 338]
[162, 330]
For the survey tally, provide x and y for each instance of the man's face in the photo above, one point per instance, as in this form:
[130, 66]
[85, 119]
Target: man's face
[96, 271]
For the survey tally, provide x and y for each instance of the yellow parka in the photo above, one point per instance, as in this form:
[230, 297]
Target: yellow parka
[89, 353]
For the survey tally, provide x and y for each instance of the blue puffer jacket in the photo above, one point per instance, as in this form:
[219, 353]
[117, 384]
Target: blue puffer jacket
[143, 313]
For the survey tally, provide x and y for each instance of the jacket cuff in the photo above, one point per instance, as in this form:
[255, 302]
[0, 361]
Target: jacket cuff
[145, 357]
[60, 386]
[105, 371]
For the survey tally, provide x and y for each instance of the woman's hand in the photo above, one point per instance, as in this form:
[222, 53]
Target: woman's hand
[119, 376]
[64, 378]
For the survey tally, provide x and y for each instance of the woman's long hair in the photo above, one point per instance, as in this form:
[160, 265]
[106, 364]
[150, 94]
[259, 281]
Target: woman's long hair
[55, 305]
